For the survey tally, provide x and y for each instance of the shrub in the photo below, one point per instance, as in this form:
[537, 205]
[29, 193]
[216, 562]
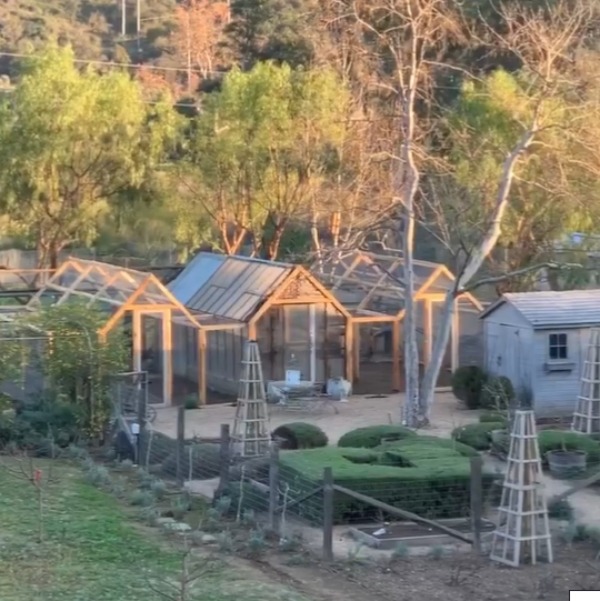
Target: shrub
[98, 476]
[372, 436]
[141, 498]
[158, 489]
[497, 393]
[205, 462]
[467, 384]
[449, 443]
[417, 474]
[560, 510]
[477, 436]
[492, 416]
[556, 440]
[300, 435]
[191, 401]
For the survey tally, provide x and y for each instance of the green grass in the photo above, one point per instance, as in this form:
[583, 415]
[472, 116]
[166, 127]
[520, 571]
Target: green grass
[92, 550]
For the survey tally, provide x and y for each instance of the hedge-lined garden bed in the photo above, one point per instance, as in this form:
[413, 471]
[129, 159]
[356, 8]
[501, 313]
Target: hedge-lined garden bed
[424, 475]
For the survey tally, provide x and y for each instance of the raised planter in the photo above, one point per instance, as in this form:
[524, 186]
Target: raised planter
[566, 464]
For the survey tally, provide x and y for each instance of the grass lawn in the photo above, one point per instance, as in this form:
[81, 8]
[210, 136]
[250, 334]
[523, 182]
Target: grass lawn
[92, 551]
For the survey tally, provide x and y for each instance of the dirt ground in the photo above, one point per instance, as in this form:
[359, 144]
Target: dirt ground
[359, 411]
[460, 578]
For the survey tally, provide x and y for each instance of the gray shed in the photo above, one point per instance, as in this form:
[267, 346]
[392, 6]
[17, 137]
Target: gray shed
[539, 341]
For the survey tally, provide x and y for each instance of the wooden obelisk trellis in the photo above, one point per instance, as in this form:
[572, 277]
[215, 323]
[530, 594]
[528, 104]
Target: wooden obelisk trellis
[586, 418]
[251, 436]
[523, 531]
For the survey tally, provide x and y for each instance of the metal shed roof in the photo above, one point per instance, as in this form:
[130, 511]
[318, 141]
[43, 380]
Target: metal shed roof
[550, 309]
[227, 286]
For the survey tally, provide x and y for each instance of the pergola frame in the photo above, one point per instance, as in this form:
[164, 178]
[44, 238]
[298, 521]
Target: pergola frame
[378, 280]
[139, 294]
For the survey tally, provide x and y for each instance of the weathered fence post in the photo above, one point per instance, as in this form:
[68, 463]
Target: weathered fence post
[224, 459]
[328, 493]
[476, 501]
[180, 445]
[141, 437]
[273, 487]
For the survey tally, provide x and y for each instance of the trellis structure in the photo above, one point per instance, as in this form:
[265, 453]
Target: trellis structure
[127, 292]
[371, 287]
[586, 418]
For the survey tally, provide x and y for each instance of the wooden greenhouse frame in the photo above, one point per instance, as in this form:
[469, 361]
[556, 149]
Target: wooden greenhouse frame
[374, 275]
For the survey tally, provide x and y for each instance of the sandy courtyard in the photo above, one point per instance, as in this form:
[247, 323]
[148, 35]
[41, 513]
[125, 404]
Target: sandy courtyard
[357, 412]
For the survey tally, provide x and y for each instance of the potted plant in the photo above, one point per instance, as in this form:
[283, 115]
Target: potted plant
[565, 463]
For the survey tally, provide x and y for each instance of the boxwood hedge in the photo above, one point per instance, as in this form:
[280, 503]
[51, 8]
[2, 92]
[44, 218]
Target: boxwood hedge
[370, 437]
[300, 435]
[425, 475]
[477, 436]
[555, 440]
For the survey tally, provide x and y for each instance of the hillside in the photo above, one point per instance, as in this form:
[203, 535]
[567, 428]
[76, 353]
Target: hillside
[93, 27]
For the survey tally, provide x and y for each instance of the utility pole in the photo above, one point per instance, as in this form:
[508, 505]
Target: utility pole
[123, 18]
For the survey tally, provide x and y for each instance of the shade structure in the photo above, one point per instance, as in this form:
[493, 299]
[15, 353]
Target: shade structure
[523, 531]
[586, 417]
[251, 436]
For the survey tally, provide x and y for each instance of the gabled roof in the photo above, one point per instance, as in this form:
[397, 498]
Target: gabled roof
[550, 309]
[227, 286]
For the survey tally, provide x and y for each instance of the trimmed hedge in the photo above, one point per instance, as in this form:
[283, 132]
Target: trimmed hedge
[477, 436]
[555, 440]
[492, 416]
[372, 436]
[424, 475]
[300, 435]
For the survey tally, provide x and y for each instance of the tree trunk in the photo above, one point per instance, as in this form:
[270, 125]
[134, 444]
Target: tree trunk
[473, 265]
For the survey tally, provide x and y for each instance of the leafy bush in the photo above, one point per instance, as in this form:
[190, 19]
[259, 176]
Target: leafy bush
[492, 416]
[477, 436]
[205, 462]
[418, 474]
[497, 393]
[560, 510]
[300, 435]
[556, 440]
[191, 401]
[467, 384]
[142, 498]
[372, 436]
[98, 476]
[449, 443]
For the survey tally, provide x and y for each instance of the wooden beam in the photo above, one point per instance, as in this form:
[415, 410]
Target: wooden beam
[396, 353]
[167, 357]
[373, 318]
[136, 335]
[427, 330]
[356, 350]
[36, 297]
[349, 354]
[202, 384]
[252, 334]
[122, 310]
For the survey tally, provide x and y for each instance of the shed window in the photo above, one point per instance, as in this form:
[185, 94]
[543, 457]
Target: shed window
[557, 346]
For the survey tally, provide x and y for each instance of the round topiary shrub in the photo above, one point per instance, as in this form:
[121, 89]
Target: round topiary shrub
[205, 462]
[372, 436]
[497, 393]
[467, 385]
[300, 435]
[477, 436]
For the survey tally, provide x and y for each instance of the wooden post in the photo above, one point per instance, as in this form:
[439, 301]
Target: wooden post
[328, 514]
[396, 376]
[137, 340]
[252, 331]
[476, 501]
[180, 445]
[167, 357]
[356, 351]
[224, 459]
[202, 367]
[349, 353]
[274, 488]
[455, 342]
[427, 330]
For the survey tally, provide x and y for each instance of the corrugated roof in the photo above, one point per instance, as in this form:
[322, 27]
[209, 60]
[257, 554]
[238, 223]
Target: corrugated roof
[231, 287]
[550, 309]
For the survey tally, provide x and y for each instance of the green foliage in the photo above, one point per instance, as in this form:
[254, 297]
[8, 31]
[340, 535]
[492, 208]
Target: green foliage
[56, 190]
[560, 510]
[78, 365]
[300, 435]
[492, 416]
[401, 551]
[467, 385]
[191, 401]
[436, 552]
[477, 436]
[370, 437]
[159, 489]
[556, 440]
[205, 462]
[497, 393]
[142, 498]
[417, 475]
[98, 476]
